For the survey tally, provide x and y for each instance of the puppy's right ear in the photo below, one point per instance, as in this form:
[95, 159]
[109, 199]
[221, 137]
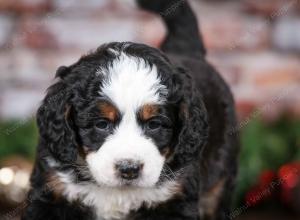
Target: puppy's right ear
[53, 119]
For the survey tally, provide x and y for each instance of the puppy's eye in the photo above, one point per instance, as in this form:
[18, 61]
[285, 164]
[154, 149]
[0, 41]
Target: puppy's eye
[103, 124]
[153, 124]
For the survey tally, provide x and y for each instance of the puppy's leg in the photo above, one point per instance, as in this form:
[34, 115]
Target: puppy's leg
[44, 208]
[173, 210]
[183, 36]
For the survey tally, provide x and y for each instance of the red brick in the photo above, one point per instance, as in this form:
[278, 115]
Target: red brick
[33, 33]
[226, 27]
[77, 32]
[26, 6]
[270, 8]
[280, 76]
[262, 80]
[236, 33]
[244, 109]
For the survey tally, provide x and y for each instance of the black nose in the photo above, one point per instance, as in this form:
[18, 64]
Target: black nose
[129, 169]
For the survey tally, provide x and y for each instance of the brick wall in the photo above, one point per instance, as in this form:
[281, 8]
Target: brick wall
[254, 44]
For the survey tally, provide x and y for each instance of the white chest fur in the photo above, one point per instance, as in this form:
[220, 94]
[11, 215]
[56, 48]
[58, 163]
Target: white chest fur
[116, 203]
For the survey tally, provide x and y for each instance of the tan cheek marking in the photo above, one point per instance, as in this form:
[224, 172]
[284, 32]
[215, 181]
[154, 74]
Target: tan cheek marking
[84, 151]
[166, 152]
[108, 111]
[179, 190]
[55, 186]
[148, 111]
[210, 200]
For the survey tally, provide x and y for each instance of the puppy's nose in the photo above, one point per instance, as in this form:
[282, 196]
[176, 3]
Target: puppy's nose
[129, 169]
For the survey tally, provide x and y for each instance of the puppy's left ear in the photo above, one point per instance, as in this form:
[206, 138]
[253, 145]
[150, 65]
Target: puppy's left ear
[54, 122]
[193, 119]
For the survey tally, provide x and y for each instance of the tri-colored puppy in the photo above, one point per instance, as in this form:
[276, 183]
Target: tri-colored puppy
[135, 133]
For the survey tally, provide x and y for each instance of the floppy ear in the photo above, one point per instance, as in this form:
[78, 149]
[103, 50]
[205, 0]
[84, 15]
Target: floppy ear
[53, 119]
[193, 119]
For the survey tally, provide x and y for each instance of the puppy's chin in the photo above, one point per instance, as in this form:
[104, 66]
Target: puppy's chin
[126, 184]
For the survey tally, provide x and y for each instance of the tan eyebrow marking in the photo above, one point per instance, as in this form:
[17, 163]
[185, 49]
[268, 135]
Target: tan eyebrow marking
[148, 111]
[108, 111]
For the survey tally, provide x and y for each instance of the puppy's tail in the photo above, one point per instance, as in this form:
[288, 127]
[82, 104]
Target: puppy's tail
[183, 36]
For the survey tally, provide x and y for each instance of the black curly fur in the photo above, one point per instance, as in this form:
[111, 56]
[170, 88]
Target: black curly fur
[204, 110]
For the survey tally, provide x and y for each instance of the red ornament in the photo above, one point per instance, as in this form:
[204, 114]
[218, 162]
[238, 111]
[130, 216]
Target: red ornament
[286, 182]
[289, 178]
[263, 190]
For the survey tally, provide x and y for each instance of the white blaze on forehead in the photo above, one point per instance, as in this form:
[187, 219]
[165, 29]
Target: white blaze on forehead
[132, 83]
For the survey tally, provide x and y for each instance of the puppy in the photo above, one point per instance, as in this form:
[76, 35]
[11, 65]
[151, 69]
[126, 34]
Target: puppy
[130, 132]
